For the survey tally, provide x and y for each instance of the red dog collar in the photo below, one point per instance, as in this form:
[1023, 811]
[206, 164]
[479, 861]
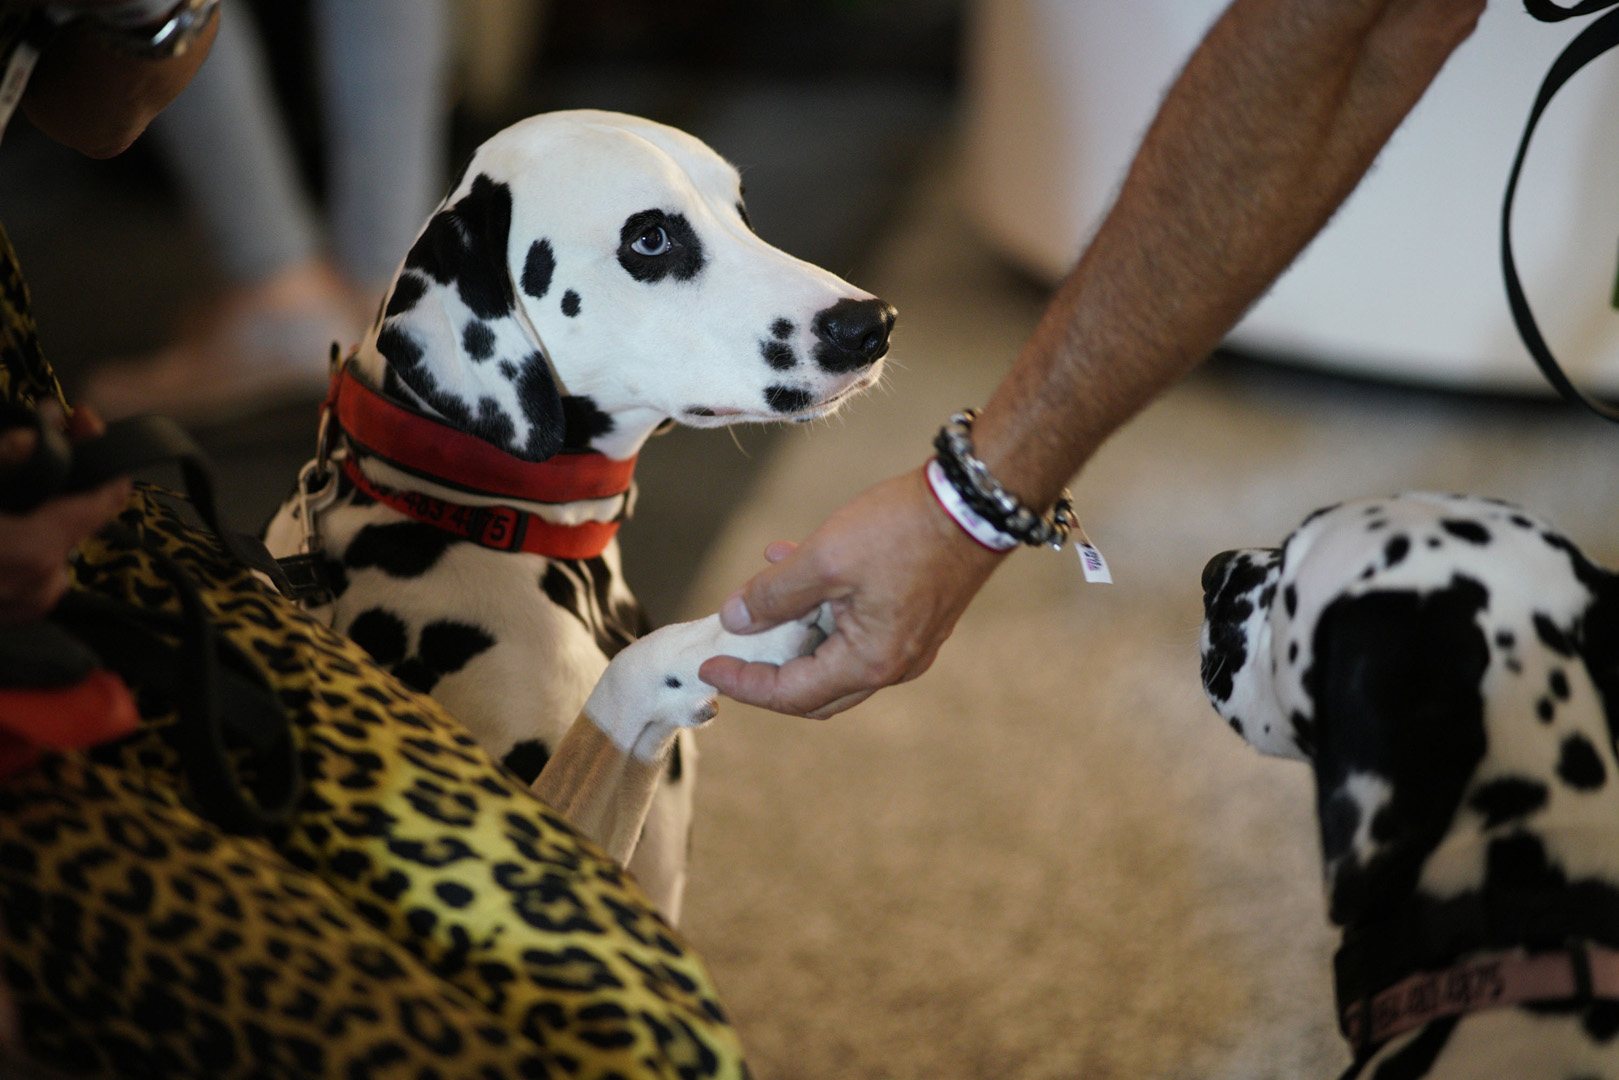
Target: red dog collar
[427, 447]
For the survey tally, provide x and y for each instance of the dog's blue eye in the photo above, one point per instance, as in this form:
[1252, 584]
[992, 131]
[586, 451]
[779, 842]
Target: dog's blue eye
[654, 241]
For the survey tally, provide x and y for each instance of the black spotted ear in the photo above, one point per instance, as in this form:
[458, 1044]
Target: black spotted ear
[451, 356]
[1397, 688]
[464, 246]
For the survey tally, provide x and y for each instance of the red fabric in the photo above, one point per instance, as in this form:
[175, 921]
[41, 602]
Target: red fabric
[99, 709]
[428, 447]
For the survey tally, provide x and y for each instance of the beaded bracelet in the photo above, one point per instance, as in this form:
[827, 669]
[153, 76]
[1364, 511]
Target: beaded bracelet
[987, 500]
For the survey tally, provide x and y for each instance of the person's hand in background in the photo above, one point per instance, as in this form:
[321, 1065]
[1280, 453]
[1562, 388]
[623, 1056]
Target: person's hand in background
[34, 547]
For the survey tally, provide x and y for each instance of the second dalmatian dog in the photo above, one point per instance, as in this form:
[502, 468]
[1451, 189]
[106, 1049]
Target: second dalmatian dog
[1449, 668]
[591, 278]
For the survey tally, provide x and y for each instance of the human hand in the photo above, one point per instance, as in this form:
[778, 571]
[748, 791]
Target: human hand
[897, 573]
[34, 547]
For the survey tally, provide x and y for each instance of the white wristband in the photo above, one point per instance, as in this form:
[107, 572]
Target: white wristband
[963, 515]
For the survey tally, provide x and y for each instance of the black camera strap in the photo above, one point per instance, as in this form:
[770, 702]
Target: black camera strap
[1592, 42]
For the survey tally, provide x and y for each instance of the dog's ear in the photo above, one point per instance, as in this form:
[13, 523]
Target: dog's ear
[453, 337]
[1396, 684]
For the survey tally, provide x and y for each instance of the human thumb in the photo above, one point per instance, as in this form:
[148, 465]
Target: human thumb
[783, 591]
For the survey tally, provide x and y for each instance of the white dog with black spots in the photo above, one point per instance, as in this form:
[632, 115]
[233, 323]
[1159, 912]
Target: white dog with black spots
[1449, 668]
[591, 278]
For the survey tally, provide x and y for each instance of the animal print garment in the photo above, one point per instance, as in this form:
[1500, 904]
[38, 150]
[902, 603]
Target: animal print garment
[421, 916]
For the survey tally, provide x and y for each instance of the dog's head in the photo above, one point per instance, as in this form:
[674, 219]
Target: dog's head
[592, 275]
[1445, 663]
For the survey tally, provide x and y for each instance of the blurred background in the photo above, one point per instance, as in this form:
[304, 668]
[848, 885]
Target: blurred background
[1046, 858]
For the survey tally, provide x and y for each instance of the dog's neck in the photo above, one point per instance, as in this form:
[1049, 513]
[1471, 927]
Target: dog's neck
[1528, 855]
[618, 435]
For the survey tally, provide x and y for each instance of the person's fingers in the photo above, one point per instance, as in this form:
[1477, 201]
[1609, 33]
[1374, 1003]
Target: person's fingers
[75, 517]
[843, 704]
[85, 423]
[784, 590]
[777, 550]
[804, 686]
[35, 597]
[17, 445]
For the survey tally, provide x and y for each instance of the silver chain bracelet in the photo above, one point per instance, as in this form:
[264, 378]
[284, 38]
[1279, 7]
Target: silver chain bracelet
[984, 494]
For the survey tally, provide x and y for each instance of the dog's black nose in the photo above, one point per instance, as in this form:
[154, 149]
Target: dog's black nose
[1214, 571]
[853, 333]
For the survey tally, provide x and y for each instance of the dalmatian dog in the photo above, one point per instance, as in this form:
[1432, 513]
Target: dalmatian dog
[1449, 668]
[590, 279]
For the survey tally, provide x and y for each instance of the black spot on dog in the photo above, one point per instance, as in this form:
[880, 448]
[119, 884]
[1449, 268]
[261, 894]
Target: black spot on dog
[478, 339]
[405, 549]
[508, 369]
[1578, 764]
[1236, 724]
[542, 406]
[1226, 606]
[1601, 1021]
[447, 646]
[538, 267]
[1303, 733]
[493, 425]
[1395, 551]
[671, 682]
[781, 329]
[1505, 638]
[1508, 798]
[581, 587]
[1340, 819]
[1521, 521]
[1395, 679]
[398, 348]
[1290, 601]
[559, 586]
[683, 261]
[787, 399]
[380, 633]
[526, 759]
[1545, 710]
[1470, 531]
[779, 356]
[1433, 543]
[1292, 651]
[1557, 682]
[570, 303]
[583, 422]
[1377, 525]
[1552, 636]
[465, 245]
[406, 291]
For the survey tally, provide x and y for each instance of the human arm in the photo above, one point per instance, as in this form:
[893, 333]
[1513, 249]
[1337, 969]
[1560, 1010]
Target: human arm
[86, 94]
[1272, 123]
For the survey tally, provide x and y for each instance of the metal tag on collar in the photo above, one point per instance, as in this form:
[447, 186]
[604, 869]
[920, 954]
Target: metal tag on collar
[306, 571]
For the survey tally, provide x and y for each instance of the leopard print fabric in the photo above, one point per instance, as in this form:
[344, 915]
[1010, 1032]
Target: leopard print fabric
[422, 915]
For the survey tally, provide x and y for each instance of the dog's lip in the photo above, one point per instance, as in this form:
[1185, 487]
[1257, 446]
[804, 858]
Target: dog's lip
[809, 412]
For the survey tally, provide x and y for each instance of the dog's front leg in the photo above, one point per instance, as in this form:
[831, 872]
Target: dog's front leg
[602, 775]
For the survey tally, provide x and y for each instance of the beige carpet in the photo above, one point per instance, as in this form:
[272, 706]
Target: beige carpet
[1048, 858]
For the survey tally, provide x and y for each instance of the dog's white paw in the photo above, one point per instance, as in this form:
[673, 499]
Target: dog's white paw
[651, 689]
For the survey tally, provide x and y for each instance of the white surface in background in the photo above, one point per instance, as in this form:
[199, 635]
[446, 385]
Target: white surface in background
[1406, 281]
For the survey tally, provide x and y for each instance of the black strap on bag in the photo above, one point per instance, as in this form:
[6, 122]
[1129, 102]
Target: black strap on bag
[1592, 42]
[230, 724]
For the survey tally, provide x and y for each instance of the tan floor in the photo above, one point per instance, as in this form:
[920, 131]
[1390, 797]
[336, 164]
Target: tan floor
[1048, 858]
